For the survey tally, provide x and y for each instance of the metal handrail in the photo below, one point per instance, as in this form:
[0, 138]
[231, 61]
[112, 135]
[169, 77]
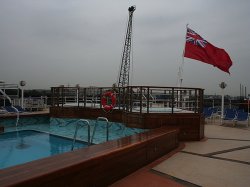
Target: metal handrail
[17, 115]
[107, 128]
[6, 96]
[85, 122]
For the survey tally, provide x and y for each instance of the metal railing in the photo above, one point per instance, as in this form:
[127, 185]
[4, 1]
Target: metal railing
[32, 103]
[143, 99]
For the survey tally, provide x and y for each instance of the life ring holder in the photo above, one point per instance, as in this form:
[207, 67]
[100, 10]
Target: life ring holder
[104, 101]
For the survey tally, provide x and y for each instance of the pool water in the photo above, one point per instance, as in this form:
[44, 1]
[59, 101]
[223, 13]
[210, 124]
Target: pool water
[66, 127]
[51, 136]
[27, 145]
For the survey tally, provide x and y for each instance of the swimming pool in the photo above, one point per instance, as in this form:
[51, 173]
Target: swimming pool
[60, 130]
[19, 147]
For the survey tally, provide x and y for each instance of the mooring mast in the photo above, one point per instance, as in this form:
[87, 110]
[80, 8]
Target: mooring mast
[123, 80]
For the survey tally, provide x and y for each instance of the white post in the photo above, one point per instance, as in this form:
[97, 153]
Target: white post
[22, 84]
[222, 86]
[22, 96]
[230, 103]
[4, 100]
[248, 110]
[77, 93]
[222, 105]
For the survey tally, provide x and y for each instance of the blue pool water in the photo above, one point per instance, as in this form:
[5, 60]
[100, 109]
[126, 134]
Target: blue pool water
[53, 135]
[26, 145]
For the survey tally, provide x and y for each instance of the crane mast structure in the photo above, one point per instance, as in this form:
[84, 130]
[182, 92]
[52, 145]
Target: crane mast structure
[123, 80]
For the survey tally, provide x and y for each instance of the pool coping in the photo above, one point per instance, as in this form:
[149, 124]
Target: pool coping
[110, 161]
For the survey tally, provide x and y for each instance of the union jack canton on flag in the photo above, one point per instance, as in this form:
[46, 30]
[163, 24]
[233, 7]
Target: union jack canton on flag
[195, 38]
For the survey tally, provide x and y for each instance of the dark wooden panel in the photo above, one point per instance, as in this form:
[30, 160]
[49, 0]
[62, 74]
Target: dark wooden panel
[191, 125]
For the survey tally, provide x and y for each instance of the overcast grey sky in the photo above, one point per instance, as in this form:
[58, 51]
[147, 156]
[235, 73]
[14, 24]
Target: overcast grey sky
[53, 42]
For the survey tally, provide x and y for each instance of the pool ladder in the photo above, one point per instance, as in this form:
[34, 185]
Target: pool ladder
[78, 124]
[86, 122]
[107, 128]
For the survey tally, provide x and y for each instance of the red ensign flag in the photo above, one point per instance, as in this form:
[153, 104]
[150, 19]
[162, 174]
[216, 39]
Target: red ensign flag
[199, 49]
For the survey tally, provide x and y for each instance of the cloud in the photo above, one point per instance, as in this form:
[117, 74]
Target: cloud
[52, 42]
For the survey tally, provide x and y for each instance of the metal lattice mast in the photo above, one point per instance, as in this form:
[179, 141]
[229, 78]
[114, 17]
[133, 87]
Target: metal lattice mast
[126, 56]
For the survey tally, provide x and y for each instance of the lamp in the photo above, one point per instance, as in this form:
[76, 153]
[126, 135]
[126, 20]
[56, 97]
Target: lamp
[22, 84]
[222, 85]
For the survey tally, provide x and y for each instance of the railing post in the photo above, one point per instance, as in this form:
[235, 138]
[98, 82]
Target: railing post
[124, 98]
[84, 97]
[195, 101]
[107, 131]
[140, 99]
[172, 100]
[77, 89]
[131, 99]
[57, 96]
[127, 99]
[190, 101]
[119, 98]
[201, 101]
[52, 97]
[147, 99]
[177, 98]
[181, 100]
[100, 102]
[62, 89]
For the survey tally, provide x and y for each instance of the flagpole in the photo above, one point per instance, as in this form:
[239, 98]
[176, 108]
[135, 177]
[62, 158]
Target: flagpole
[180, 72]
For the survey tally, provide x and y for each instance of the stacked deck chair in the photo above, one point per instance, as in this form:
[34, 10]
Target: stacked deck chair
[15, 109]
[20, 109]
[3, 111]
[207, 113]
[10, 109]
[242, 117]
[215, 113]
[230, 115]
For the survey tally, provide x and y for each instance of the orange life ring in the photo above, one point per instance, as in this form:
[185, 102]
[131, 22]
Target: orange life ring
[104, 100]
